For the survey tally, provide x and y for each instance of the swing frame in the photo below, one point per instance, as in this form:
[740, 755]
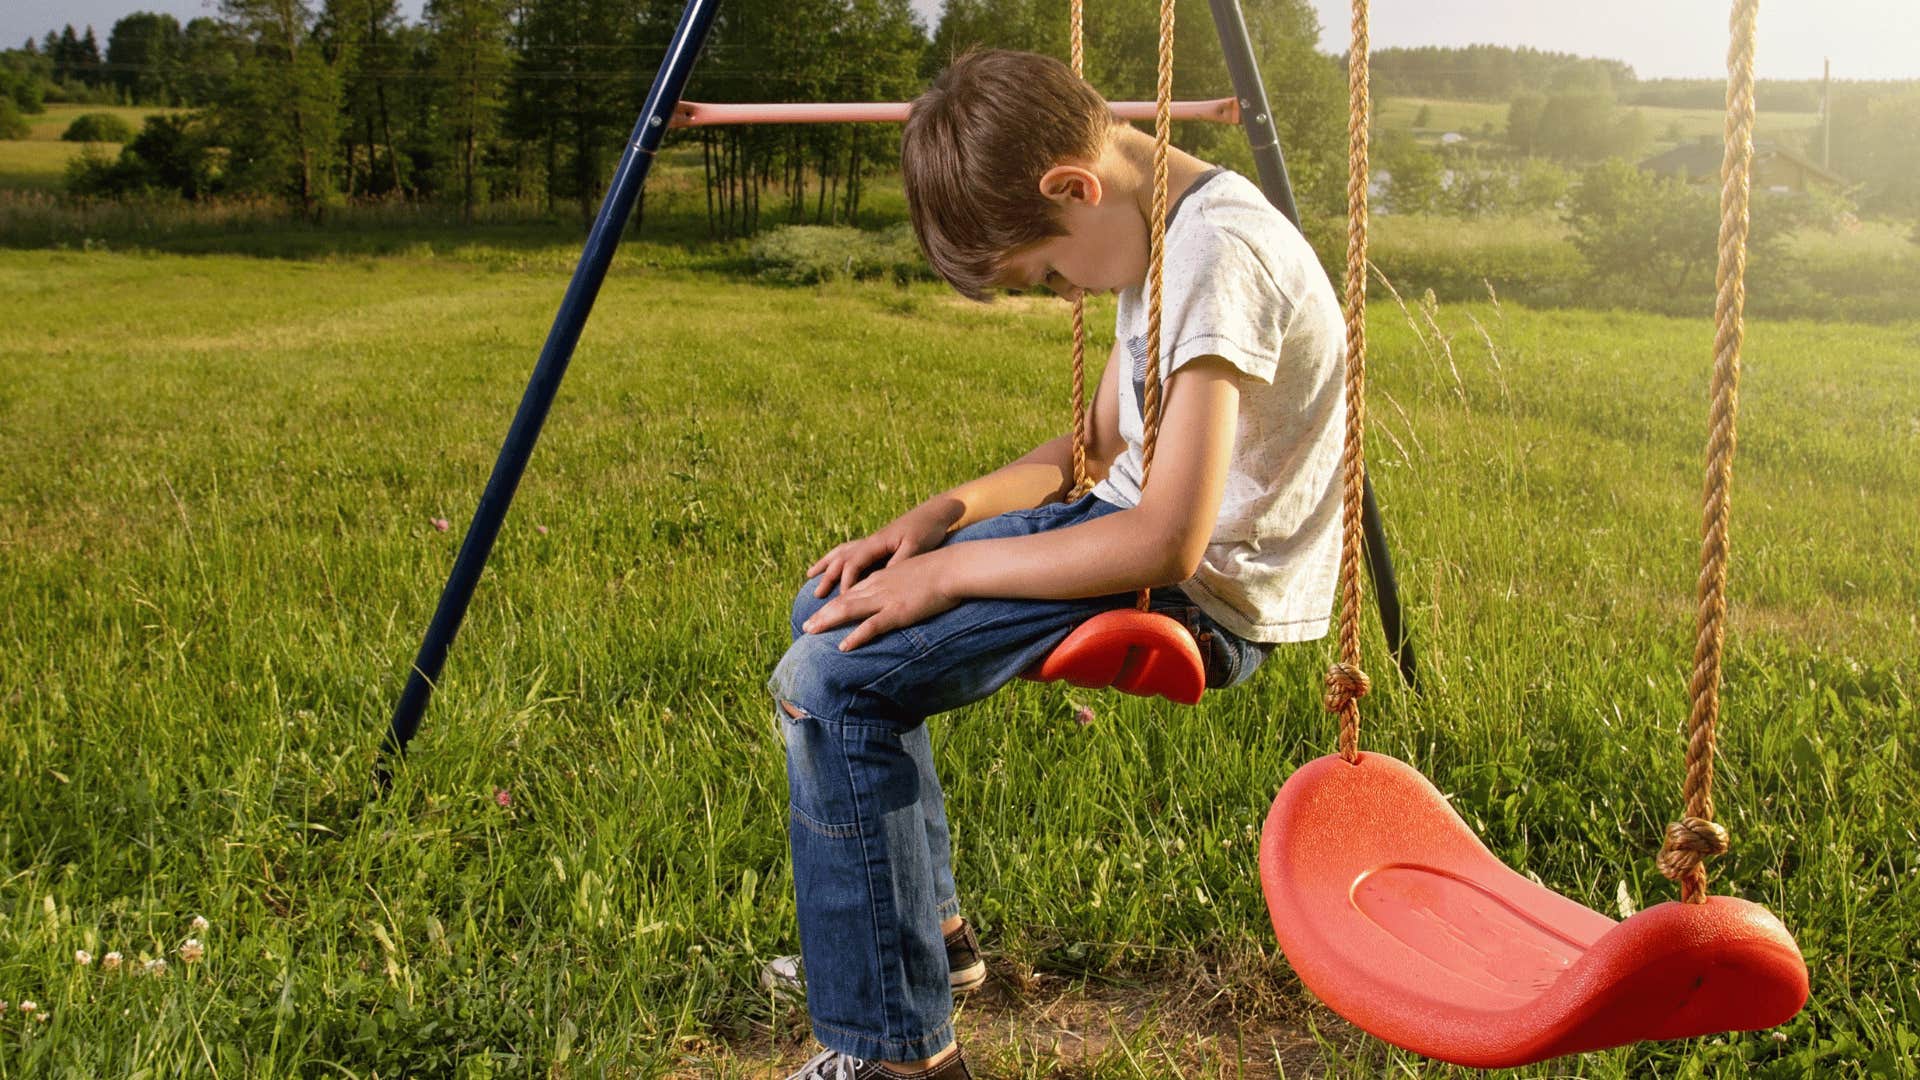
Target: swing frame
[664, 109]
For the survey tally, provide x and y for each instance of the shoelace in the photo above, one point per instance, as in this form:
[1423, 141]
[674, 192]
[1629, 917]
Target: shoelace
[830, 1065]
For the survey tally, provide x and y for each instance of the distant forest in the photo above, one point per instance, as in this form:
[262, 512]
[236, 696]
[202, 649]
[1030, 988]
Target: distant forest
[529, 101]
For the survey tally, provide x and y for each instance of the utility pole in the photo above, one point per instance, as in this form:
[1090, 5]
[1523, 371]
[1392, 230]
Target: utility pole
[1826, 113]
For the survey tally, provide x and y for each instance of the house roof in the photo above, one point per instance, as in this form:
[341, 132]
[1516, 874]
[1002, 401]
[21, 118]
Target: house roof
[1702, 158]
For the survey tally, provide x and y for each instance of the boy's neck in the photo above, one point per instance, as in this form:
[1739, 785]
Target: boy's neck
[1130, 161]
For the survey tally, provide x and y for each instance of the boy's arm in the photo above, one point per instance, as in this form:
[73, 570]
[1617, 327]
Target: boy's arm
[1159, 542]
[1044, 474]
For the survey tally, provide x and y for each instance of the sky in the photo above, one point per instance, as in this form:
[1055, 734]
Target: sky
[1866, 39]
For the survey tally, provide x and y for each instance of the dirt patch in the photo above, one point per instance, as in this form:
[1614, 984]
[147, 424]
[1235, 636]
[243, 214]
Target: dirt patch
[1248, 1018]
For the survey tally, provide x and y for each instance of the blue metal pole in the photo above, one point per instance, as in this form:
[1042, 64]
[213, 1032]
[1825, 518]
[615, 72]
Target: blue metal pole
[688, 40]
[1271, 164]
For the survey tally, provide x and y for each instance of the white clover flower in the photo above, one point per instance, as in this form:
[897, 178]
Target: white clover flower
[82, 957]
[27, 1006]
[155, 966]
[111, 961]
[199, 924]
[191, 950]
[3, 1005]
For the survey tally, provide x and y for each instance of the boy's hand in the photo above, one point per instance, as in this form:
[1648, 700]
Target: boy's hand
[922, 528]
[899, 595]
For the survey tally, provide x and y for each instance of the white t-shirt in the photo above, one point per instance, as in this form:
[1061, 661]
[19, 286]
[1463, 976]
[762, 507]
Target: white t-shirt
[1241, 283]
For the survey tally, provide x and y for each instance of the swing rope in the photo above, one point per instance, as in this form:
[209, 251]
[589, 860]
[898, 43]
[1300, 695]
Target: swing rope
[1081, 482]
[1156, 255]
[1150, 405]
[1346, 683]
[1695, 836]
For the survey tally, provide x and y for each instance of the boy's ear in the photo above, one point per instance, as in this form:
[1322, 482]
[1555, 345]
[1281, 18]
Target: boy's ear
[1071, 183]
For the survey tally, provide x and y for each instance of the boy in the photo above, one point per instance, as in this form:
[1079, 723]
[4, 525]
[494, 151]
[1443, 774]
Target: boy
[1017, 175]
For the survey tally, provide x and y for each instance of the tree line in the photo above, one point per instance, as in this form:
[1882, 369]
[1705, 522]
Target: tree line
[529, 101]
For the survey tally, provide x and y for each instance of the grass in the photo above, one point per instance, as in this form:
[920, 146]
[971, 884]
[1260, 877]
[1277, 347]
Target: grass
[217, 483]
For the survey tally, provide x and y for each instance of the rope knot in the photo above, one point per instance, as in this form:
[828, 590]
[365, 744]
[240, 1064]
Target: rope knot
[1346, 684]
[1689, 841]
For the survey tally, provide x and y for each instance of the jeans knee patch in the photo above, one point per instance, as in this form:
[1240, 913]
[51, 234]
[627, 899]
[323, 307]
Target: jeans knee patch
[819, 776]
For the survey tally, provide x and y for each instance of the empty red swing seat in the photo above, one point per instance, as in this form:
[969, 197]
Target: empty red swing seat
[1398, 917]
[1136, 652]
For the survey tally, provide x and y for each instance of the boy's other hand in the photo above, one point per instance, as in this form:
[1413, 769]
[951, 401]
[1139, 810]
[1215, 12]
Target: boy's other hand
[920, 529]
[898, 595]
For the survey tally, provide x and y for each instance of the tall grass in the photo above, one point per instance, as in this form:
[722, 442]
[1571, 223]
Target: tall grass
[218, 487]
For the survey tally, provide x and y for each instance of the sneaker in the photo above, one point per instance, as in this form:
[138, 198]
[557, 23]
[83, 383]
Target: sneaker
[965, 969]
[833, 1065]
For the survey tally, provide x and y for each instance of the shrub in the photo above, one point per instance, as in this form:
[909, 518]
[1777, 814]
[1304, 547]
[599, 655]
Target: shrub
[98, 127]
[1653, 238]
[169, 155]
[12, 124]
[810, 254]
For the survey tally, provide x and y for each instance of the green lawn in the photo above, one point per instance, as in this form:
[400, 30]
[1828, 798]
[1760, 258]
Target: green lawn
[218, 477]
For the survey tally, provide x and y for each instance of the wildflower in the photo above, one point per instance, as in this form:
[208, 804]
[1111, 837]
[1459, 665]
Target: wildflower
[111, 961]
[27, 1006]
[1779, 1036]
[541, 529]
[3, 1006]
[191, 950]
[1084, 715]
[502, 796]
[442, 524]
[155, 966]
[199, 924]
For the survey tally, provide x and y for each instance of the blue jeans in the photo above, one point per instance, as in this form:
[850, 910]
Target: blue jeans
[872, 862]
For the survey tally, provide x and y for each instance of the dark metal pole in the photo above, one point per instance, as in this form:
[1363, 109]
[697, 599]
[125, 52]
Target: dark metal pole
[668, 83]
[1271, 164]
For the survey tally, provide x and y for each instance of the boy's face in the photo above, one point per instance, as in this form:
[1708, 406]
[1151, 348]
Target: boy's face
[1104, 250]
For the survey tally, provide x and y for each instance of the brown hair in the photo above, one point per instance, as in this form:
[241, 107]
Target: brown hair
[975, 146]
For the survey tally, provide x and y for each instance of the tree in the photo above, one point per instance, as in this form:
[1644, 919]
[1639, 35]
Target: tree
[143, 55]
[470, 66]
[1415, 186]
[210, 53]
[1576, 126]
[1523, 121]
[1874, 144]
[573, 91]
[280, 113]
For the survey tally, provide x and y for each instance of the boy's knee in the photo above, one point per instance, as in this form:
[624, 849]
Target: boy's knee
[805, 604]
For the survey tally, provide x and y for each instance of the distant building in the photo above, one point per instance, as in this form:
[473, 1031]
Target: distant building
[1775, 168]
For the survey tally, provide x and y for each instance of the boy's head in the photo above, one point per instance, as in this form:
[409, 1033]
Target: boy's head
[976, 146]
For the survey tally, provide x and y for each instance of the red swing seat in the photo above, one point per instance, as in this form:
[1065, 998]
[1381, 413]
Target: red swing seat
[1135, 652]
[1396, 915]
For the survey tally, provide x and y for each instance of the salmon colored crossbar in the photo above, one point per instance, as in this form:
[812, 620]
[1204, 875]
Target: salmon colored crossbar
[1395, 914]
[1135, 652]
[694, 114]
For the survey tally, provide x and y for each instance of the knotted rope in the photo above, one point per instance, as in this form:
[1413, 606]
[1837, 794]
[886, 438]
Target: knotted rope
[1346, 682]
[1696, 836]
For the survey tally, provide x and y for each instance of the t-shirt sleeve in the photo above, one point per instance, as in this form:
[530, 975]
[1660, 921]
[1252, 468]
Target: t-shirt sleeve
[1221, 300]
